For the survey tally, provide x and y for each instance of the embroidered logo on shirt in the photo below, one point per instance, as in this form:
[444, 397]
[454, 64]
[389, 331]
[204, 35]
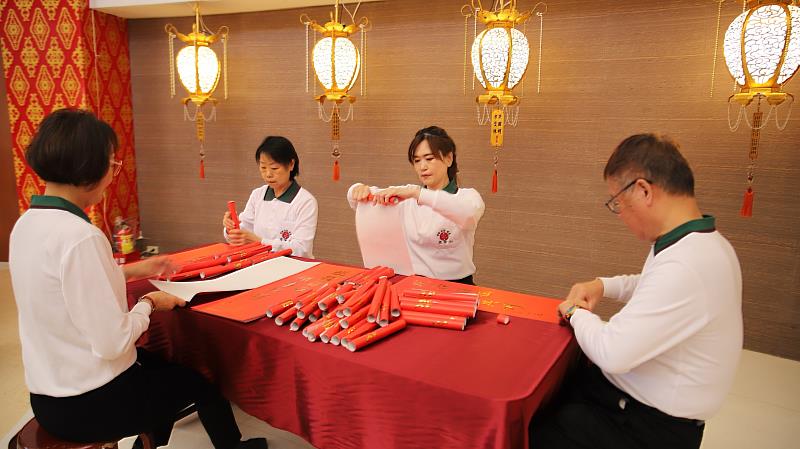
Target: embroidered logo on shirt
[444, 236]
[285, 234]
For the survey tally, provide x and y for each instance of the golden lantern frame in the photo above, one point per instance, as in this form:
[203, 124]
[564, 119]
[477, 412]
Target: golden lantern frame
[335, 94]
[198, 38]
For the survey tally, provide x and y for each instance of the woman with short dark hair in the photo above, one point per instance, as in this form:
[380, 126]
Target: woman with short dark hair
[87, 381]
[440, 217]
[279, 213]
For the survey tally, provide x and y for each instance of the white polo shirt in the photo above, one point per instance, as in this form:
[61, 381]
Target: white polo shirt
[75, 328]
[676, 343]
[440, 230]
[288, 221]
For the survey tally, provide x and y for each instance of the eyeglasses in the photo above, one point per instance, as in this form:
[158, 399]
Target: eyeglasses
[117, 166]
[613, 205]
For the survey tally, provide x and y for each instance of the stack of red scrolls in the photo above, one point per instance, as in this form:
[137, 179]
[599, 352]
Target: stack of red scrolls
[366, 308]
[224, 262]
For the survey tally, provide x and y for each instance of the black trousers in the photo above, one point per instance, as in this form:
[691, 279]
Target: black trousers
[146, 398]
[592, 413]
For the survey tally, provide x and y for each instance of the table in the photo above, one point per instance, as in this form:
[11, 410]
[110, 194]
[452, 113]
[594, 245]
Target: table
[424, 387]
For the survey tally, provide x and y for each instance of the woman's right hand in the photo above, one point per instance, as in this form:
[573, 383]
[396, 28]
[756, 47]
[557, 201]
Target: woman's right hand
[361, 192]
[165, 301]
[227, 222]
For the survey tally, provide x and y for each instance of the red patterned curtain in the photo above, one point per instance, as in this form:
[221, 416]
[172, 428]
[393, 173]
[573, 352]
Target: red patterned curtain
[57, 54]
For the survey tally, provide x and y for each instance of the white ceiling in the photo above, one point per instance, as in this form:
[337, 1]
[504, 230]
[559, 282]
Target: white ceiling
[145, 9]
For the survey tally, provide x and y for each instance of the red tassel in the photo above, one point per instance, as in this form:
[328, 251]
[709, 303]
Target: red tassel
[336, 170]
[202, 170]
[494, 181]
[747, 204]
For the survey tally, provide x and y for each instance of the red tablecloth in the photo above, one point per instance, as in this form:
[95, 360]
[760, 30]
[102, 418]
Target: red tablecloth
[422, 388]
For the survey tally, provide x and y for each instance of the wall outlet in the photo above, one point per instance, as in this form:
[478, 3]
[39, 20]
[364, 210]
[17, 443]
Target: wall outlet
[151, 249]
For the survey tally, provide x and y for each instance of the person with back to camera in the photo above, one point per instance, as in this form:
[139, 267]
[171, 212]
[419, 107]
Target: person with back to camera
[87, 380]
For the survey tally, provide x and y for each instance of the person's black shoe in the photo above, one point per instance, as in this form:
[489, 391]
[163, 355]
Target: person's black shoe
[253, 443]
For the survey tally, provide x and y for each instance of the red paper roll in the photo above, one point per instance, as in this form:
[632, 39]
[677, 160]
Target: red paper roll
[465, 304]
[503, 319]
[336, 339]
[394, 302]
[447, 309]
[383, 315]
[258, 258]
[435, 320]
[236, 249]
[314, 316]
[250, 252]
[297, 323]
[358, 301]
[227, 268]
[234, 216]
[279, 308]
[354, 318]
[358, 331]
[330, 332]
[444, 296]
[377, 300]
[285, 316]
[378, 335]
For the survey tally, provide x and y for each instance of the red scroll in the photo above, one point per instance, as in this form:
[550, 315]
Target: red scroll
[377, 335]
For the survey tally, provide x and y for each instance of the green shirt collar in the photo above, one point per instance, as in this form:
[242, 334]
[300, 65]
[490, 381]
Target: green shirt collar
[287, 196]
[705, 224]
[451, 187]
[56, 202]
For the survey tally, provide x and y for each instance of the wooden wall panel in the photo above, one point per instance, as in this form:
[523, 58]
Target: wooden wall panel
[608, 71]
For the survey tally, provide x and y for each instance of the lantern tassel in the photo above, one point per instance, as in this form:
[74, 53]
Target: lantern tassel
[202, 170]
[494, 181]
[336, 173]
[747, 204]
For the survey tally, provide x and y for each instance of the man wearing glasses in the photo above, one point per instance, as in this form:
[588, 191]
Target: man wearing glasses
[665, 362]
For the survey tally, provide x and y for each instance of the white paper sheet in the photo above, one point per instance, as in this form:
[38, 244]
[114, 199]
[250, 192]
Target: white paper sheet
[245, 279]
[382, 237]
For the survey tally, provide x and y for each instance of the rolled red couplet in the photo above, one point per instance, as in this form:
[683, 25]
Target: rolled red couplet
[234, 215]
[250, 252]
[377, 300]
[359, 330]
[236, 249]
[503, 319]
[297, 323]
[377, 335]
[222, 269]
[430, 294]
[277, 309]
[435, 320]
[354, 318]
[287, 315]
[258, 258]
[356, 302]
[314, 316]
[394, 302]
[336, 339]
[383, 314]
[446, 309]
[330, 332]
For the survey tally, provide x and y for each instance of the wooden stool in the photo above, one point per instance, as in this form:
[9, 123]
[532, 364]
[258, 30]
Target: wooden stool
[33, 436]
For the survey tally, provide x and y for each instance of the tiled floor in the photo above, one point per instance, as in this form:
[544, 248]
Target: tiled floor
[762, 411]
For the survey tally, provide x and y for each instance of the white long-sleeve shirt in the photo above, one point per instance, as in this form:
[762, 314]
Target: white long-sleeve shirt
[75, 328]
[676, 343]
[440, 230]
[288, 221]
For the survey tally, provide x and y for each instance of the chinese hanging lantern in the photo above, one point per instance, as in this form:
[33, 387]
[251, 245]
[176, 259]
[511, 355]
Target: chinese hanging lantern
[762, 51]
[199, 72]
[499, 57]
[337, 63]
